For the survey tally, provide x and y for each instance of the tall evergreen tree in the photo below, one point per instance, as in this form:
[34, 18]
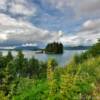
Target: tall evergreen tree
[33, 68]
[20, 62]
[7, 79]
[9, 57]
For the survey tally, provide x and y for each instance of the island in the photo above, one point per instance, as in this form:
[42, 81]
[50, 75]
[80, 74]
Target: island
[54, 48]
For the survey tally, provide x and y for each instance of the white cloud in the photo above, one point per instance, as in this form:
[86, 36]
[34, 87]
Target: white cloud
[3, 4]
[88, 35]
[29, 44]
[81, 8]
[91, 25]
[22, 7]
[87, 7]
[80, 39]
[3, 37]
[23, 31]
[18, 7]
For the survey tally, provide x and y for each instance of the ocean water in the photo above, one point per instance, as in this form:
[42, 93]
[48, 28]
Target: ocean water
[62, 59]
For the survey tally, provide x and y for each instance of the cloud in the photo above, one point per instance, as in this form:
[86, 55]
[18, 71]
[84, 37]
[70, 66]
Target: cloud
[3, 37]
[22, 31]
[88, 35]
[91, 25]
[3, 4]
[62, 15]
[29, 44]
[80, 8]
[22, 7]
[19, 8]
[80, 39]
[25, 32]
[88, 7]
[59, 4]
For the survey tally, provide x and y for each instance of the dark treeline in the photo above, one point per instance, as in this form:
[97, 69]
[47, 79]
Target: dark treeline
[55, 48]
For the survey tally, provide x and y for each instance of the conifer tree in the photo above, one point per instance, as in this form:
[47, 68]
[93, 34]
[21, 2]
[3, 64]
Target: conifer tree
[54, 47]
[7, 79]
[33, 67]
[20, 62]
[9, 57]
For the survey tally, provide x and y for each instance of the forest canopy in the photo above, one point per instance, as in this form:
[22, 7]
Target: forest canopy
[55, 48]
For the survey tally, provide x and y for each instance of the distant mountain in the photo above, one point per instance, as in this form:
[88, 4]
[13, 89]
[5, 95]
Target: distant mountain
[9, 43]
[35, 48]
[76, 47]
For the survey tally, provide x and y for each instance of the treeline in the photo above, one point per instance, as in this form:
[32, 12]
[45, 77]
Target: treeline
[55, 48]
[94, 51]
[30, 79]
[12, 68]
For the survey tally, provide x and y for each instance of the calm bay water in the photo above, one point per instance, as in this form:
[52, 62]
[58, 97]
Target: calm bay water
[62, 59]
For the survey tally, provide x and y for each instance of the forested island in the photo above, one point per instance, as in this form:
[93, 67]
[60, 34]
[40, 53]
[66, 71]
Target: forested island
[54, 48]
[30, 79]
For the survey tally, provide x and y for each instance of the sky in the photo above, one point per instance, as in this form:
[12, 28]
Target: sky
[72, 22]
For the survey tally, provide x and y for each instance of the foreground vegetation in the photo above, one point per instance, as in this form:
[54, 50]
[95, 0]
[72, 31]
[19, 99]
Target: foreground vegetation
[23, 79]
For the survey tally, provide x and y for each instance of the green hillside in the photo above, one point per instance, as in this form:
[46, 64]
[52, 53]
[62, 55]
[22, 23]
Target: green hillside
[22, 79]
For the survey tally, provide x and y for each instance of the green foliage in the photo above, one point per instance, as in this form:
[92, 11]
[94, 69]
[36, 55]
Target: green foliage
[2, 62]
[51, 80]
[62, 83]
[31, 90]
[29, 79]
[55, 48]
[33, 68]
[94, 51]
[2, 96]
[21, 64]
[9, 57]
